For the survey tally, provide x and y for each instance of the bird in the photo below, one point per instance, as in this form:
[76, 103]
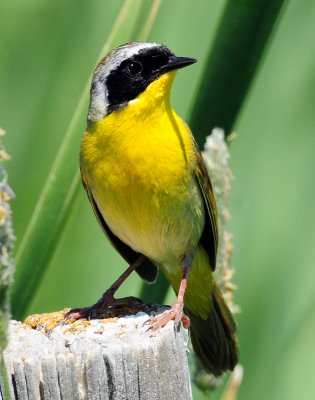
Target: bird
[152, 196]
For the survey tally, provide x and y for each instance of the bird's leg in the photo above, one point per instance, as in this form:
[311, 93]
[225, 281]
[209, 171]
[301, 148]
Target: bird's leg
[108, 300]
[176, 311]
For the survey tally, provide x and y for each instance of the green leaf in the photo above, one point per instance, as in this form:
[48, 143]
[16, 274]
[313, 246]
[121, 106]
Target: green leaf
[234, 58]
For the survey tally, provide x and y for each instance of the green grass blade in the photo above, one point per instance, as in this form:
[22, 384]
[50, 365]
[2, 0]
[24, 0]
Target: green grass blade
[233, 60]
[149, 21]
[62, 185]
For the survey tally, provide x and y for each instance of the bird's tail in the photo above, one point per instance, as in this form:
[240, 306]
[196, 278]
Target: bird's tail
[213, 339]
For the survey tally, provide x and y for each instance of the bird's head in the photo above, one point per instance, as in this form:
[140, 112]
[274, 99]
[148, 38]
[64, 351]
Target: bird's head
[130, 70]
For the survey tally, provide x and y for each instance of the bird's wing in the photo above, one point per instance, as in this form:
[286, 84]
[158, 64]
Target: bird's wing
[209, 238]
[147, 270]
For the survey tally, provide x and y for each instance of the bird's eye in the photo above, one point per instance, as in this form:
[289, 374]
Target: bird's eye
[135, 67]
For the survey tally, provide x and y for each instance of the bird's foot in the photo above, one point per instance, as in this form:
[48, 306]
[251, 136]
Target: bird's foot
[106, 307]
[175, 313]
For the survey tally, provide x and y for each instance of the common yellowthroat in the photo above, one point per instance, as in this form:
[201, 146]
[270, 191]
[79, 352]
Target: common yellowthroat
[150, 191]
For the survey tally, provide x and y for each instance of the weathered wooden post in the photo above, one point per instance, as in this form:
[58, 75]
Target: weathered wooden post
[116, 359]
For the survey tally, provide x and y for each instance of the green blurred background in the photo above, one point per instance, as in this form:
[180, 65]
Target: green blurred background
[47, 53]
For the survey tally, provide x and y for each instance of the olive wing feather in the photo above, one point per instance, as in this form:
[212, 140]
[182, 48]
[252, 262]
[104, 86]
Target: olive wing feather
[209, 237]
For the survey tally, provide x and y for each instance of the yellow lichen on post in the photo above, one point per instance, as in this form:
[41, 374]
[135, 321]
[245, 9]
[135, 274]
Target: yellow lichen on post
[46, 321]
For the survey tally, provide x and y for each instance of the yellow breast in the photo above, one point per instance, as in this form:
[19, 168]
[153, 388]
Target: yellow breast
[139, 163]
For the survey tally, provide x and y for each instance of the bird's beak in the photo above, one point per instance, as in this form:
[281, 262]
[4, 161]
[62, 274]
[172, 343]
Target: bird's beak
[177, 63]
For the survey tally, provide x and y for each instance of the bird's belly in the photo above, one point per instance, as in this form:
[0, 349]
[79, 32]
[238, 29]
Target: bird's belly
[142, 178]
[162, 223]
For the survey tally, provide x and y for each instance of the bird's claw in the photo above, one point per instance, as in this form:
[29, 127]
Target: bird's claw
[175, 313]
